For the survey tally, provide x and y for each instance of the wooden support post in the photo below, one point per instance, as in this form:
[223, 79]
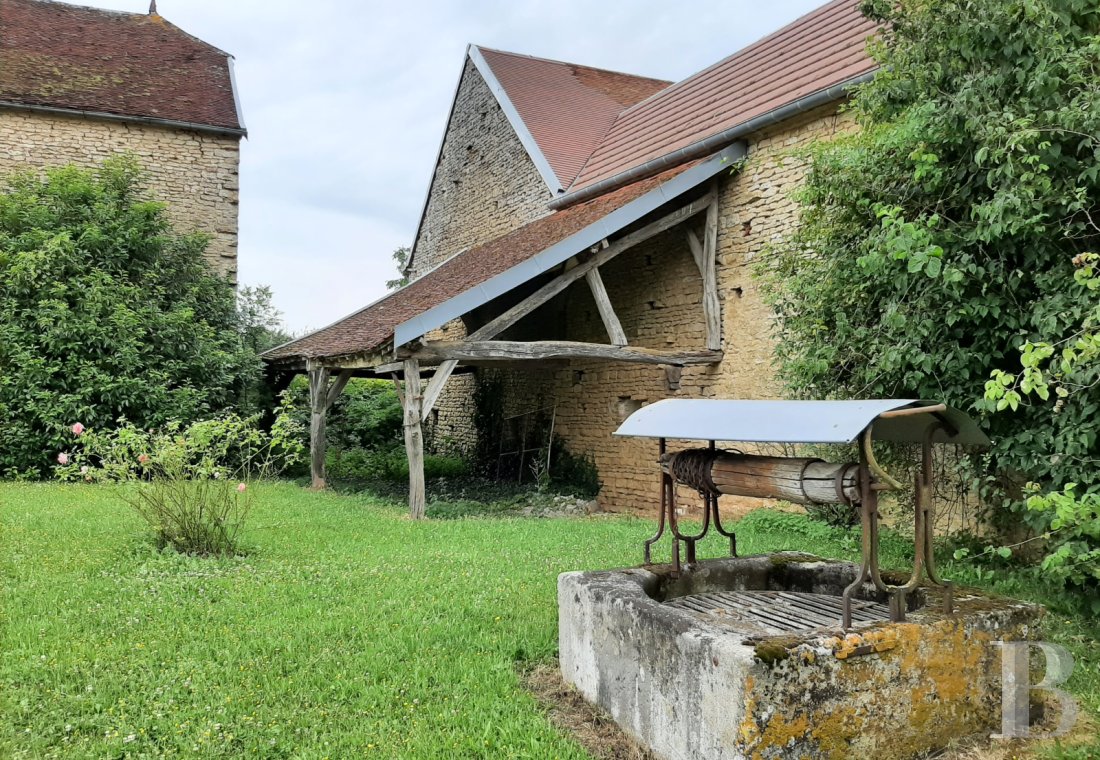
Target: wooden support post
[414, 439]
[318, 405]
[322, 395]
[607, 313]
[705, 255]
[712, 309]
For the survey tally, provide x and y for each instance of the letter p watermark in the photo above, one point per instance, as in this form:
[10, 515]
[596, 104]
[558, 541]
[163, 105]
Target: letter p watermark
[1016, 687]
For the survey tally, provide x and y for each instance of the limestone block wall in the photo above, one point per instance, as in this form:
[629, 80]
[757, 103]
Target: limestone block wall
[195, 173]
[656, 290]
[485, 184]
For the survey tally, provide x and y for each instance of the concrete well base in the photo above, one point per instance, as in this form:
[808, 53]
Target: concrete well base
[704, 684]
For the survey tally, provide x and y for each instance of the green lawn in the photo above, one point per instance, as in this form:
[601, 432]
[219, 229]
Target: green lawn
[347, 631]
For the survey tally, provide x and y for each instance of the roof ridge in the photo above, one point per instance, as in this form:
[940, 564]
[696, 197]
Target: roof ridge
[571, 63]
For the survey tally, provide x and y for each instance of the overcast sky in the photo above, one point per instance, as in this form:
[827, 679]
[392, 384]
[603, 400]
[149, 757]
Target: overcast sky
[346, 101]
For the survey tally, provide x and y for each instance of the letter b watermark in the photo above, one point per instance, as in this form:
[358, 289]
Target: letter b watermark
[1016, 687]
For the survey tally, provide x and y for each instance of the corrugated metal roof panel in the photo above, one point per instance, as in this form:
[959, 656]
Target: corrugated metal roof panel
[767, 421]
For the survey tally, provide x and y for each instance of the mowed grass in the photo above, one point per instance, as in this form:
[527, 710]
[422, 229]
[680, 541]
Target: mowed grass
[347, 631]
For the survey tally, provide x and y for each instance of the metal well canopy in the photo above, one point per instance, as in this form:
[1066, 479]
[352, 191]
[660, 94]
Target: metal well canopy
[797, 421]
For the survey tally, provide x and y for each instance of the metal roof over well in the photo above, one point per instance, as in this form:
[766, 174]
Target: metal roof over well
[795, 421]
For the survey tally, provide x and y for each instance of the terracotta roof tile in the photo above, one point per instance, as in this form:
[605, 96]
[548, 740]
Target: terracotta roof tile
[822, 49]
[126, 64]
[567, 108]
[372, 328]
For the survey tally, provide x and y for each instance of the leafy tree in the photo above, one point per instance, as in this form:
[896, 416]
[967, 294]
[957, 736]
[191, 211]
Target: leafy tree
[260, 323]
[943, 234]
[105, 312]
[401, 258]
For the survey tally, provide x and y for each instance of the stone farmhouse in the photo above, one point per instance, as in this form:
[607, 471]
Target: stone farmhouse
[78, 85]
[588, 239]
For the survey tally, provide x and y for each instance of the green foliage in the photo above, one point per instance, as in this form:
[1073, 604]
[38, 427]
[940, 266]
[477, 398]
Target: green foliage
[1074, 521]
[367, 415]
[400, 257]
[191, 484]
[106, 312]
[944, 234]
[388, 464]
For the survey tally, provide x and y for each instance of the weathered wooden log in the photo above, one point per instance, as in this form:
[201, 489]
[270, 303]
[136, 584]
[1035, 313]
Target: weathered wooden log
[796, 479]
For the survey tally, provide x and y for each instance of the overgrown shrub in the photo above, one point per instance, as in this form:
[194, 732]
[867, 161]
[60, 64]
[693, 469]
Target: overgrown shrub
[192, 484]
[105, 312]
[944, 234]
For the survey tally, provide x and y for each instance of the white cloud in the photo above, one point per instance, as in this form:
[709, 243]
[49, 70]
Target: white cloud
[345, 103]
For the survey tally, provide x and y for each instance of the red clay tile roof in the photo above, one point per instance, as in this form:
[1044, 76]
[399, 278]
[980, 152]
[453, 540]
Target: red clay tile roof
[371, 328]
[567, 108]
[126, 64]
[823, 48]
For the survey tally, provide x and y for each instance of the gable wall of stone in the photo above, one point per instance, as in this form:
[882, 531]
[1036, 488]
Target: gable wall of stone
[195, 173]
[485, 184]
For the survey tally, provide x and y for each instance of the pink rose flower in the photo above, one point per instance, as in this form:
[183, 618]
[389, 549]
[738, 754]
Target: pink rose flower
[241, 488]
[62, 458]
[143, 458]
[78, 429]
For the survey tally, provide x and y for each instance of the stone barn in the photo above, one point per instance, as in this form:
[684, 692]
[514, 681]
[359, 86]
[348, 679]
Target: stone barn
[587, 242]
[78, 85]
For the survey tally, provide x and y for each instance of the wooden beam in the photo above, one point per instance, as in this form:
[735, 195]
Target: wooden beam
[505, 350]
[435, 386]
[712, 307]
[318, 400]
[564, 280]
[414, 439]
[397, 387]
[696, 251]
[607, 313]
[337, 387]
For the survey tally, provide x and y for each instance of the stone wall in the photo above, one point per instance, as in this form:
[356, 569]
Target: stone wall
[656, 290]
[195, 173]
[485, 184]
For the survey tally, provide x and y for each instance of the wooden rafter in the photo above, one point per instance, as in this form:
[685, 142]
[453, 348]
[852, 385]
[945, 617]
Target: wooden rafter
[564, 280]
[607, 312]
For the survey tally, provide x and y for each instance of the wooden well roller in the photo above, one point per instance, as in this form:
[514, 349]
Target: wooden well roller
[797, 479]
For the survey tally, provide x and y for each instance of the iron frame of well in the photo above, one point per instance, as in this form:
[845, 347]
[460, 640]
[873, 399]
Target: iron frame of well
[804, 422]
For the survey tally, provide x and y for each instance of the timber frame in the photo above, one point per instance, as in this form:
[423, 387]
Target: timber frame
[481, 346]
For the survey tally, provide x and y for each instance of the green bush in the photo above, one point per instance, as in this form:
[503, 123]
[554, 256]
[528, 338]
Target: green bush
[944, 234]
[106, 312]
[388, 464]
[191, 484]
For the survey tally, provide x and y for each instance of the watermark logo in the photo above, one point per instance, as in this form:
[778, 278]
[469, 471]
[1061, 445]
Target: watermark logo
[1016, 688]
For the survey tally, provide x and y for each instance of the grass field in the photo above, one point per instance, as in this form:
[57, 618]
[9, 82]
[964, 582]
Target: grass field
[347, 631]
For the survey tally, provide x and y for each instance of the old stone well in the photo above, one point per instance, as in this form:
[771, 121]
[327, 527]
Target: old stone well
[788, 655]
